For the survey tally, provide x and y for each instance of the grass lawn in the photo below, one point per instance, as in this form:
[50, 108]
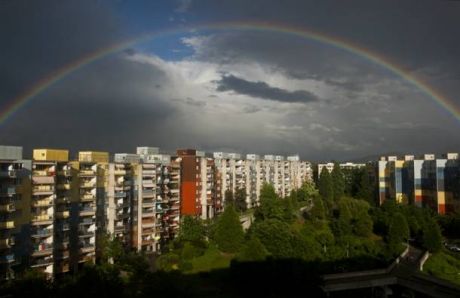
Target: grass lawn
[212, 259]
[443, 265]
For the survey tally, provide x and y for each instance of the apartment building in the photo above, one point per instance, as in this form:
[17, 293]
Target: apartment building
[200, 187]
[344, 166]
[88, 212]
[285, 174]
[14, 172]
[426, 181]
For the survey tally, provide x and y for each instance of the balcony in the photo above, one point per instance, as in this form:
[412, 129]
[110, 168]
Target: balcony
[6, 224]
[150, 213]
[148, 203]
[7, 208]
[63, 186]
[6, 243]
[41, 233]
[148, 223]
[119, 172]
[7, 259]
[87, 197]
[8, 191]
[42, 219]
[87, 211]
[43, 173]
[62, 214]
[86, 221]
[147, 193]
[62, 200]
[88, 184]
[66, 173]
[42, 202]
[85, 233]
[42, 249]
[43, 180]
[120, 194]
[86, 173]
[42, 262]
[8, 173]
[62, 227]
[86, 259]
[43, 190]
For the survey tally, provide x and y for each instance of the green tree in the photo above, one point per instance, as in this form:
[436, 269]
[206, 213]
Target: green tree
[240, 200]
[229, 232]
[318, 211]
[308, 190]
[270, 205]
[229, 198]
[365, 189]
[338, 182]
[398, 232]
[432, 236]
[253, 250]
[345, 217]
[276, 236]
[325, 185]
[192, 229]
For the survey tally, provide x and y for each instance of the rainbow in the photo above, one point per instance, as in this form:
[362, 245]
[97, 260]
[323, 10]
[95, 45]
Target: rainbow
[54, 77]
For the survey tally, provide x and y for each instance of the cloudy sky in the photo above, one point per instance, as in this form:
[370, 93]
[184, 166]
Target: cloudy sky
[193, 84]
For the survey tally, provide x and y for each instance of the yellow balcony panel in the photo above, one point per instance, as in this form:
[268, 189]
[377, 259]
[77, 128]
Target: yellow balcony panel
[51, 155]
[63, 186]
[119, 172]
[42, 203]
[42, 219]
[90, 184]
[7, 224]
[7, 208]
[88, 172]
[62, 214]
[87, 197]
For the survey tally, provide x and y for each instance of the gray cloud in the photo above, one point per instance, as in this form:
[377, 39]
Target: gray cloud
[263, 90]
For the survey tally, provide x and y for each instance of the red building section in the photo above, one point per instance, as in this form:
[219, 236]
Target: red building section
[190, 175]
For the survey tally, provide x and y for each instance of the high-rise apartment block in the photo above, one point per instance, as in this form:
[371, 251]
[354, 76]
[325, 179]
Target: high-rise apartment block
[55, 212]
[426, 181]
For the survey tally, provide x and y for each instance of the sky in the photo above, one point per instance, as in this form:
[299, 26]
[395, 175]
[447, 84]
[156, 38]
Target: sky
[177, 79]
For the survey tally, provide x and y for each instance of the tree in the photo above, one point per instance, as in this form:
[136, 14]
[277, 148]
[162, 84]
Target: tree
[240, 200]
[365, 189]
[308, 191]
[270, 205]
[276, 236]
[318, 211]
[193, 230]
[229, 232]
[228, 198]
[325, 185]
[338, 182]
[253, 250]
[432, 236]
[398, 232]
[345, 217]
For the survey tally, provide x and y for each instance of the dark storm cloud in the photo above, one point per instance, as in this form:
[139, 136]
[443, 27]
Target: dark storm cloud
[263, 90]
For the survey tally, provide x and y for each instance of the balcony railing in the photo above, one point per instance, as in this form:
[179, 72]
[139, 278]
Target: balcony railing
[8, 173]
[8, 191]
[42, 233]
[7, 208]
[5, 259]
[87, 197]
[89, 184]
[86, 172]
[62, 214]
[40, 218]
[6, 224]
